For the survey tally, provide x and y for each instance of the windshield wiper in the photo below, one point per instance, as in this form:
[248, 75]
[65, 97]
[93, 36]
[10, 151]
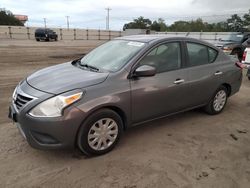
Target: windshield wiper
[93, 68]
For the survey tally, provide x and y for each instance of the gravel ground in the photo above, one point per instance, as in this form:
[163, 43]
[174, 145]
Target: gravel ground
[191, 149]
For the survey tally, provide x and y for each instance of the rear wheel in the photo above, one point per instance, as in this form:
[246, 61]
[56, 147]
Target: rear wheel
[100, 132]
[218, 102]
[37, 39]
[248, 77]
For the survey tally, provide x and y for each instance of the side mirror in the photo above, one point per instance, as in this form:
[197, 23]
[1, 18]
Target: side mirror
[145, 71]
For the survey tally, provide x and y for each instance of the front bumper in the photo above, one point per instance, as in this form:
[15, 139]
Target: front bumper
[48, 133]
[42, 38]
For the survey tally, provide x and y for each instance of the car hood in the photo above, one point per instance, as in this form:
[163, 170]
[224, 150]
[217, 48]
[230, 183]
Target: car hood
[64, 77]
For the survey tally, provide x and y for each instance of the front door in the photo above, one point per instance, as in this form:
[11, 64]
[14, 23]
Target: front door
[163, 93]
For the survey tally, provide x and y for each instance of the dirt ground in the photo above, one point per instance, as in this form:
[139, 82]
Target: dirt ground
[191, 149]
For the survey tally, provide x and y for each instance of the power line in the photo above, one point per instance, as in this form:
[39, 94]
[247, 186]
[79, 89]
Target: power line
[182, 17]
[91, 20]
[45, 22]
[107, 21]
[67, 22]
[185, 17]
[202, 16]
[128, 19]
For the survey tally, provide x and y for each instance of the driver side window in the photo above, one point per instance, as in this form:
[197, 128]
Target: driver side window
[165, 57]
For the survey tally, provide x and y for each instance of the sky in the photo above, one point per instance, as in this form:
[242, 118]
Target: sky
[91, 14]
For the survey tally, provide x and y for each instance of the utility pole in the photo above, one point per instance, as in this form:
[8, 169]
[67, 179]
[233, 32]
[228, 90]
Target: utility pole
[67, 22]
[107, 19]
[45, 22]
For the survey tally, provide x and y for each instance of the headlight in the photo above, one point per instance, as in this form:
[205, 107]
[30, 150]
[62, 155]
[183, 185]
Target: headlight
[54, 106]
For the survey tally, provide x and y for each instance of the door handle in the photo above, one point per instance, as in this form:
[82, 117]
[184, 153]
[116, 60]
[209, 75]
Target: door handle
[179, 81]
[218, 73]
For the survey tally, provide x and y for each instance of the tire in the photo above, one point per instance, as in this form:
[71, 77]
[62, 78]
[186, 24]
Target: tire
[88, 141]
[248, 77]
[37, 39]
[56, 39]
[213, 109]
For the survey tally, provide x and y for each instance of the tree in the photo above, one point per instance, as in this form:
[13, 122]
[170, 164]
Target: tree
[218, 27]
[198, 26]
[235, 23]
[139, 23]
[145, 23]
[246, 21]
[7, 18]
[159, 25]
[179, 26]
[155, 26]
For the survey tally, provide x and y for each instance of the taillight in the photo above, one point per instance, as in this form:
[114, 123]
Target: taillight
[239, 64]
[244, 56]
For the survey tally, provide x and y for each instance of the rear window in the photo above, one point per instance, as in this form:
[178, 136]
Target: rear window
[200, 54]
[40, 30]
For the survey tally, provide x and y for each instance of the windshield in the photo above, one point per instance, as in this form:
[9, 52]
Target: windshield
[234, 38]
[112, 55]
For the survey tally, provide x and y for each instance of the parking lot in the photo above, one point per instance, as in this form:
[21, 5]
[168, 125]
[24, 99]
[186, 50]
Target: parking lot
[191, 149]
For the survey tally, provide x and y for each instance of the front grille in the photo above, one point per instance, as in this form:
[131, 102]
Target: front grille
[21, 101]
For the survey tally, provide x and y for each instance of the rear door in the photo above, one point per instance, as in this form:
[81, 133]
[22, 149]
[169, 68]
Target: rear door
[203, 72]
[163, 93]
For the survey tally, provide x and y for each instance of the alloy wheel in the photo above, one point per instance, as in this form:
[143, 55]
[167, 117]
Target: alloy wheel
[219, 100]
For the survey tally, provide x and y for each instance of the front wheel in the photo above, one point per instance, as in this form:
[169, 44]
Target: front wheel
[218, 102]
[248, 77]
[100, 132]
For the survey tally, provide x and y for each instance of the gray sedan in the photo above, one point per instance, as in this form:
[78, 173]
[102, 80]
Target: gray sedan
[89, 102]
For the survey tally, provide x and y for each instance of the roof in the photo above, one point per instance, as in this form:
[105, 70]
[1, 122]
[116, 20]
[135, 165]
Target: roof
[148, 38]
[161, 37]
